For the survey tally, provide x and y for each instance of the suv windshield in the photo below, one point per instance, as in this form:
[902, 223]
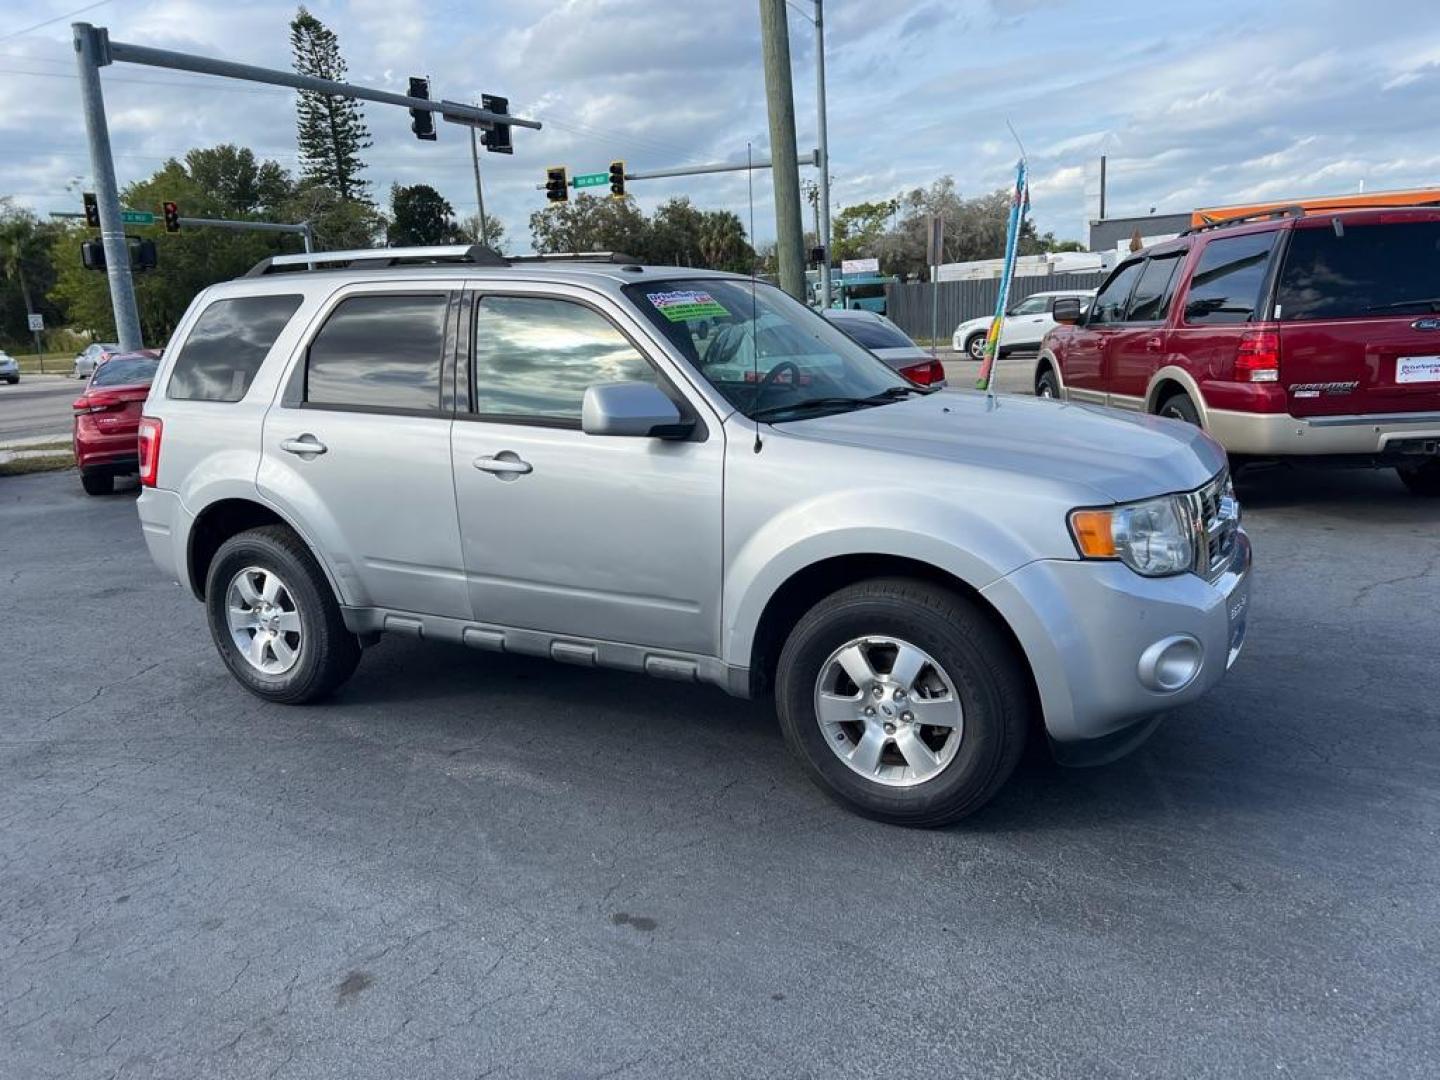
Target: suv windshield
[770, 356]
[1364, 269]
[126, 371]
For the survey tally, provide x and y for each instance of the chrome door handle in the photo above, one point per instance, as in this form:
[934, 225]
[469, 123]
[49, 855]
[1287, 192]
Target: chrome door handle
[504, 464]
[306, 446]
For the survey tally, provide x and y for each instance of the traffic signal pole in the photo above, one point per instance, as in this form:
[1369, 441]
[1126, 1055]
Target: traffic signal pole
[90, 55]
[94, 50]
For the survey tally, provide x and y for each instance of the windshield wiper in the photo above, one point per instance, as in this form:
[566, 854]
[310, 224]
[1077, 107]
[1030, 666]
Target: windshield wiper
[894, 393]
[1431, 300]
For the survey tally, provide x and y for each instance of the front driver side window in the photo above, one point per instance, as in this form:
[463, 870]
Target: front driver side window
[1110, 304]
[535, 356]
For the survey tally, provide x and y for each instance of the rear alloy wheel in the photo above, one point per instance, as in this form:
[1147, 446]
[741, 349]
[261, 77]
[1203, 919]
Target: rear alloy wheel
[274, 619]
[1047, 386]
[1421, 479]
[1180, 407]
[975, 346]
[905, 702]
[97, 483]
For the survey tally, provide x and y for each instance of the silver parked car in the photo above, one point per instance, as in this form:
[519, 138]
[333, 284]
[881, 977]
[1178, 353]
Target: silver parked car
[887, 341]
[92, 357]
[691, 475]
[9, 368]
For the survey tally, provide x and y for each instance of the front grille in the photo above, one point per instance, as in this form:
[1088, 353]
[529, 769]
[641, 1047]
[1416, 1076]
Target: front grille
[1216, 516]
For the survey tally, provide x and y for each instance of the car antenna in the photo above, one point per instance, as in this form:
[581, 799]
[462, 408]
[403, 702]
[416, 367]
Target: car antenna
[754, 330]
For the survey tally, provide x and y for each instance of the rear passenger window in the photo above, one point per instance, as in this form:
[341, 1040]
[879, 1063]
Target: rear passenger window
[1228, 279]
[225, 348]
[379, 351]
[1151, 301]
[535, 357]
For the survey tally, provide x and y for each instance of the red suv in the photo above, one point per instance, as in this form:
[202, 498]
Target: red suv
[107, 419]
[1314, 335]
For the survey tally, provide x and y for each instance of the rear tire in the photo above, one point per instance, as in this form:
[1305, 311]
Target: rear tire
[975, 346]
[1047, 385]
[1421, 479]
[965, 664]
[1180, 407]
[301, 619]
[12, 379]
[97, 483]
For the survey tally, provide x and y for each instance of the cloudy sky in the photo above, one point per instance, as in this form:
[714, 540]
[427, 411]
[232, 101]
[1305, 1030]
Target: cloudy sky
[1194, 103]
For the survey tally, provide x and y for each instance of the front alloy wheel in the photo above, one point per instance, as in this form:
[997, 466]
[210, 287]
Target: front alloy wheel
[888, 711]
[976, 346]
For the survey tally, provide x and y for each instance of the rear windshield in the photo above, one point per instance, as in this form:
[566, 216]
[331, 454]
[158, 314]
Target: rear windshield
[226, 347]
[1363, 270]
[126, 371]
[874, 335]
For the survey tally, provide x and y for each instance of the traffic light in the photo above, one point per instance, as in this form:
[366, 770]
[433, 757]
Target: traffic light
[557, 184]
[92, 210]
[92, 254]
[171, 213]
[497, 139]
[617, 179]
[142, 254]
[422, 121]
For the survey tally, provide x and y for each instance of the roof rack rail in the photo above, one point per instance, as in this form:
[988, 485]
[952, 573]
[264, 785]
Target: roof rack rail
[472, 254]
[577, 256]
[1242, 219]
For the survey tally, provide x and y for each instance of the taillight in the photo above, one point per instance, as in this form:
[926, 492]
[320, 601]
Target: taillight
[150, 428]
[925, 373]
[1258, 358]
[101, 403]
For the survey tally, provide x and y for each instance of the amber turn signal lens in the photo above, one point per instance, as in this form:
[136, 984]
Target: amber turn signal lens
[1093, 535]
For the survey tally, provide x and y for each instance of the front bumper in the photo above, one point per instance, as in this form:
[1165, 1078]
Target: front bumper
[1086, 628]
[1280, 434]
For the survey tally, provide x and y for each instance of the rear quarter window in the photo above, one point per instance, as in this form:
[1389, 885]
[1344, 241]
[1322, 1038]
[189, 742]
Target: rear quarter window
[1390, 268]
[226, 347]
[1228, 279]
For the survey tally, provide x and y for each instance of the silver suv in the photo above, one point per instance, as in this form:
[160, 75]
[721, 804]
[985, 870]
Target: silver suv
[690, 475]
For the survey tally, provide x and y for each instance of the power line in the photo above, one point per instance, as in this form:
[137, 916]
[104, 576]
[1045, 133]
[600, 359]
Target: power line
[57, 18]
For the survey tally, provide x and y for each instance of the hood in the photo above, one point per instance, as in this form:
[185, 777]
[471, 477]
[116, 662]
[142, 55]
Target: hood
[1120, 455]
[969, 326]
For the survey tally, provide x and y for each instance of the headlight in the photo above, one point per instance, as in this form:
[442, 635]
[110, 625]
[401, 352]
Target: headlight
[1154, 537]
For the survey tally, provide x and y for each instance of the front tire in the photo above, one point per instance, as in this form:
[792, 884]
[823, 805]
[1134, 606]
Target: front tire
[1047, 385]
[905, 702]
[275, 620]
[975, 346]
[1421, 479]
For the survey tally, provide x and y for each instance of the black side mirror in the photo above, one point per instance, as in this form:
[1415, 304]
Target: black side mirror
[1067, 310]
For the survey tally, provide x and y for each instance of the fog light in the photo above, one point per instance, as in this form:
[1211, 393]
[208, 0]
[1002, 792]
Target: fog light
[1171, 664]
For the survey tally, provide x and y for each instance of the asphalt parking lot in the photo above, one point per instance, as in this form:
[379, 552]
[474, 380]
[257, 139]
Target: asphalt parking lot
[37, 406]
[467, 865]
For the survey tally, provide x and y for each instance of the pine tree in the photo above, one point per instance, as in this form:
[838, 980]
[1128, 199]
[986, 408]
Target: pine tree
[330, 130]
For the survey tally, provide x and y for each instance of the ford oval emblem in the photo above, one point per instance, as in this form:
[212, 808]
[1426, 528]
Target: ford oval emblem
[1426, 324]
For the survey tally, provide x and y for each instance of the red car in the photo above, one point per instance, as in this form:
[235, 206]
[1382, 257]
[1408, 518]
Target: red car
[107, 419]
[1300, 335]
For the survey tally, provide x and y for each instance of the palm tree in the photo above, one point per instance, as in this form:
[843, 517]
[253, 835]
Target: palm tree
[20, 242]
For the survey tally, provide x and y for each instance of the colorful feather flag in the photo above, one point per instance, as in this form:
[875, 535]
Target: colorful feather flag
[1019, 204]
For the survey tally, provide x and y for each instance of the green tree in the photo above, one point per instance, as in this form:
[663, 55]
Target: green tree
[420, 215]
[330, 130]
[494, 231]
[974, 228]
[244, 184]
[26, 273]
[590, 224]
[338, 224]
[722, 243]
[858, 231]
[673, 237]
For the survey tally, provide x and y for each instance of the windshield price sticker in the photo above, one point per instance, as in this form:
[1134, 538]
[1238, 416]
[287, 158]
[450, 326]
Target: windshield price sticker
[686, 305]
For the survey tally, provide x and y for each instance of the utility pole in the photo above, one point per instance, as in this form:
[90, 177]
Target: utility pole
[780, 103]
[823, 229]
[91, 53]
[479, 191]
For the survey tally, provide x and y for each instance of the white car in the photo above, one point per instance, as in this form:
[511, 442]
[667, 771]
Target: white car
[9, 368]
[93, 356]
[1025, 323]
[887, 341]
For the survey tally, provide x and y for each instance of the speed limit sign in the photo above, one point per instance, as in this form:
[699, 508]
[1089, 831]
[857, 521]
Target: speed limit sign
[37, 321]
